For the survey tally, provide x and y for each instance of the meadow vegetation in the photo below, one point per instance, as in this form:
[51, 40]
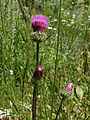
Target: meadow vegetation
[64, 59]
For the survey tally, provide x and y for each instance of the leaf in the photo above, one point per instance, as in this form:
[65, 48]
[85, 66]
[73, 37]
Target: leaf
[26, 106]
[48, 107]
[79, 92]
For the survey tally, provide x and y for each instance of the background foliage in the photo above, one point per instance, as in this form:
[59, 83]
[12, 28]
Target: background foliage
[64, 58]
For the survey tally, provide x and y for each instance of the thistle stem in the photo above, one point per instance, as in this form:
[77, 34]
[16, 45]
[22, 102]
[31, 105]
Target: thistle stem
[35, 88]
[59, 108]
[34, 103]
[37, 63]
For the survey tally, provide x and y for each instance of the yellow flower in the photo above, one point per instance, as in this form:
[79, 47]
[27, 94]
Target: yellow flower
[30, 95]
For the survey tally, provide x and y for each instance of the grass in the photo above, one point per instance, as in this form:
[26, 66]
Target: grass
[65, 59]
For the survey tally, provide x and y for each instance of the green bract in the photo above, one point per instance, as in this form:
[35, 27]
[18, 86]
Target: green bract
[65, 93]
[38, 37]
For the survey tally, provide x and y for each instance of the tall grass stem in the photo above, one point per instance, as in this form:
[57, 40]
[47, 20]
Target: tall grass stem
[56, 62]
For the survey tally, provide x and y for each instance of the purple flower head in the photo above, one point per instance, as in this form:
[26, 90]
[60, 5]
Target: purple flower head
[69, 87]
[39, 23]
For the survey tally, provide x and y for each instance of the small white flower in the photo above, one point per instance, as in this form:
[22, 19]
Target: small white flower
[68, 25]
[54, 29]
[39, 96]
[50, 28]
[72, 3]
[68, 13]
[82, 24]
[6, 112]
[74, 15]
[63, 20]
[56, 35]
[72, 22]
[77, 111]
[55, 20]
[88, 17]
[63, 23]
[11, 72]
[62, 9]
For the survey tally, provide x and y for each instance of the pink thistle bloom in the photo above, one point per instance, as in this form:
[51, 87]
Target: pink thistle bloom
[39, 23]
[69, 87]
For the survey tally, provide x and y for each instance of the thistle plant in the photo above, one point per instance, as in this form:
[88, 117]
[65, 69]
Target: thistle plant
[39, 24]
[65, 93]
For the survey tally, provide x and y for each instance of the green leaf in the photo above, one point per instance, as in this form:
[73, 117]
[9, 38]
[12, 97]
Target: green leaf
[79, 92]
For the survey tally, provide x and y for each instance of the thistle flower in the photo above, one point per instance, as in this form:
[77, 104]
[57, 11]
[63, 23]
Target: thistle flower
[69, 87]
[67, 91]
[39, 23]
[64, 94]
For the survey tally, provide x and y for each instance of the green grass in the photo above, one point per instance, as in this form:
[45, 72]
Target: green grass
[65, 58]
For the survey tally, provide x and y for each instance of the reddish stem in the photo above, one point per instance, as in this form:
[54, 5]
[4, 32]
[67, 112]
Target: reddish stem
[59, 108]
[35, 88]
[34, 103]
[37, 62]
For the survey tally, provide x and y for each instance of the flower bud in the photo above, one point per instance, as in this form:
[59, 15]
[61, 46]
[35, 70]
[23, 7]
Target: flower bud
[69, 87]
[67, 91]
[38, 73]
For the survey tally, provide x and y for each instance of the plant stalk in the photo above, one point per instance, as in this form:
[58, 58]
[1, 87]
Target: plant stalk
[35, 88]
[37, 62]
[59, 108]
[34, 102]
[58, 39]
